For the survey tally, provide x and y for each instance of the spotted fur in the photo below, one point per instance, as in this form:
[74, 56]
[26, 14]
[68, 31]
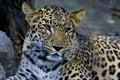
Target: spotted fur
[52, 50]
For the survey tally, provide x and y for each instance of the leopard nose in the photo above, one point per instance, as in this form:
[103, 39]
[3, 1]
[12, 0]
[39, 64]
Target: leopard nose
[57, 48]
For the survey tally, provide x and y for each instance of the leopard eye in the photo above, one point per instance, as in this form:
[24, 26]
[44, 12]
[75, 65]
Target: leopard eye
[36, 19]
[48, 27]
[68, 29]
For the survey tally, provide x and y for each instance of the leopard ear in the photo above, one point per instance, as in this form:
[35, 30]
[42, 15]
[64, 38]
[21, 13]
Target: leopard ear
[76, 16]
[28, 11]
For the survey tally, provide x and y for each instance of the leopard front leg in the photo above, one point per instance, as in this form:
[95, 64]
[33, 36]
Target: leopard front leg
[17, 77]
[23, 74]
[24, 71]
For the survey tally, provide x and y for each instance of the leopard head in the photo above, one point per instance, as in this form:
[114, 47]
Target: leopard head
[53, 27]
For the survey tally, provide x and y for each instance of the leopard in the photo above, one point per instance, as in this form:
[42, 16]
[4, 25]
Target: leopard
[54, 50]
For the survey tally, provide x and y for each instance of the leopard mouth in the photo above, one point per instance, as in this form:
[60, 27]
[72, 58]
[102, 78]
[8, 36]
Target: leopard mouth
[54, 57]
[52, 54]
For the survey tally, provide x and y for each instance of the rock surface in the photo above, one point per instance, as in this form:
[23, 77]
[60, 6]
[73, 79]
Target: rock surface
[2, 73]
[7, 58]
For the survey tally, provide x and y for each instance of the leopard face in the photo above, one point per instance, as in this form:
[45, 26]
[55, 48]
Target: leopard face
[52, 28]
